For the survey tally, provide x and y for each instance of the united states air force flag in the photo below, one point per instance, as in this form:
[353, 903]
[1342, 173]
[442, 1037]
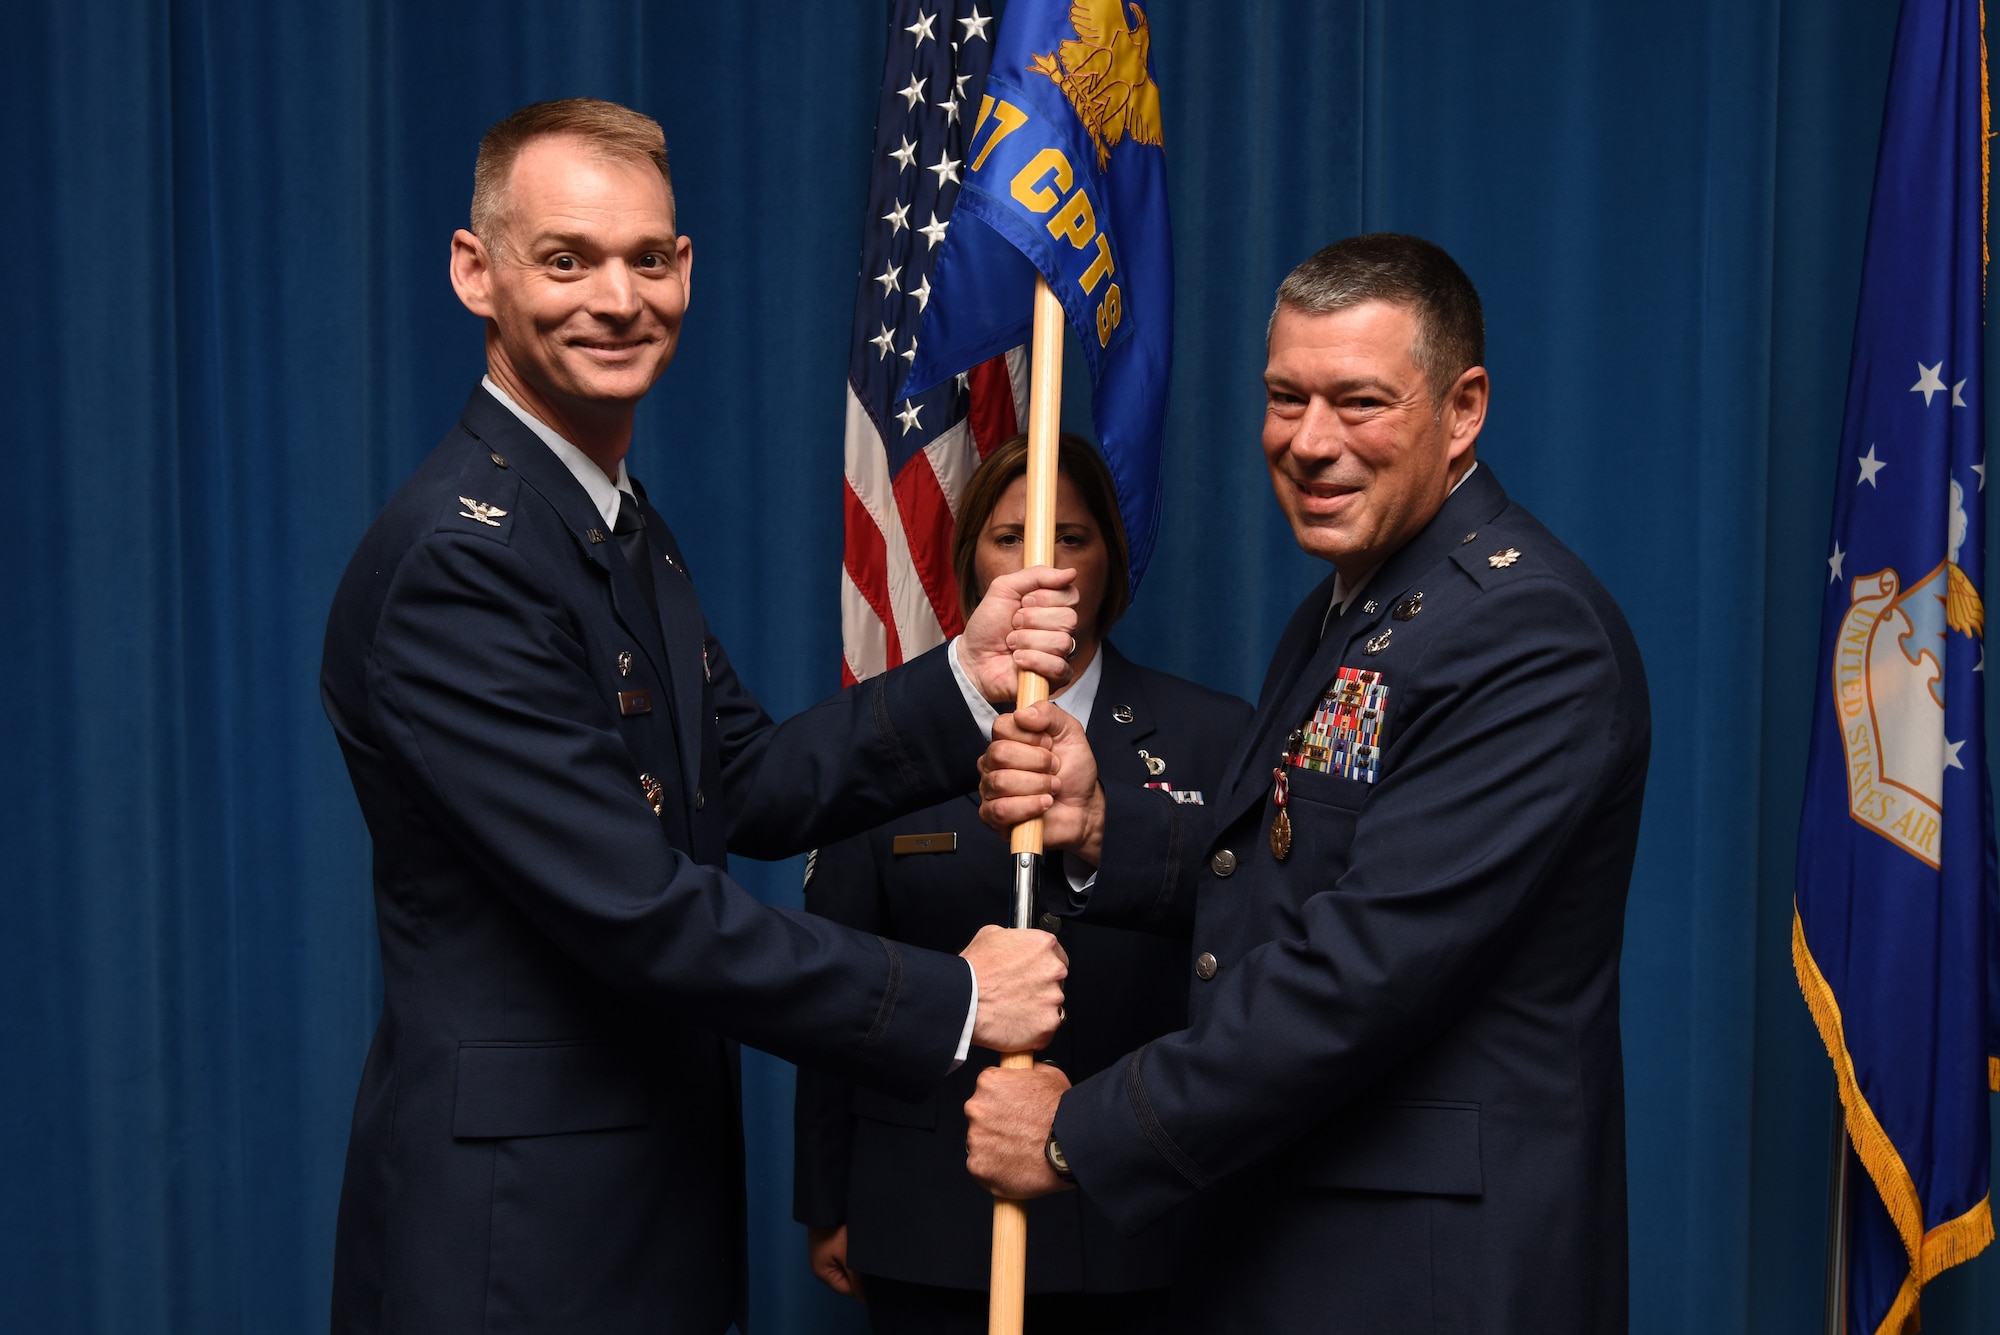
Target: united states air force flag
[1894, 934]
[1065, 175]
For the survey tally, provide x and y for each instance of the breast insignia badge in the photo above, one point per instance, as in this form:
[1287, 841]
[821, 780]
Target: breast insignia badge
[1155, 765]
[1888, 686]
[1379, 642]
[480, 512]
[656, 794]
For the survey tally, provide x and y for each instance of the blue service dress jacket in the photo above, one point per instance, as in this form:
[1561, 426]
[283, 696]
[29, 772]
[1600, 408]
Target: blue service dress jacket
[1398, 1104]
[547, 1134]
[893, 1170]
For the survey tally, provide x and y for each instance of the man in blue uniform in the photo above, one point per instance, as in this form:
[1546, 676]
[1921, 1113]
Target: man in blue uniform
[1398, 1104]
[554, 756]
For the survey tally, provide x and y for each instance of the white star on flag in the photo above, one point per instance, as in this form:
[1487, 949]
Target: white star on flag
[887, 278]
[946, 168]
[1981, 470]
[976, 26]
[915, 94]
[1928, 382]
[898, 218]
[935, 230]
[923, 296]
[1951, 750]
[1870, 466]
[906, 155]
[910, 416]
[1957, 401]
[921, 29]
[885, 341]
[1833, 562]
[951, 114]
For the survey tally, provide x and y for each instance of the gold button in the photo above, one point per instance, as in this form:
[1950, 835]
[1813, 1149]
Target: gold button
[1204, 966]
[1223, 863]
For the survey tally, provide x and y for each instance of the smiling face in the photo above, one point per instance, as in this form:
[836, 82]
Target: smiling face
[1361, 457]
[1080, 546]
[584, 289]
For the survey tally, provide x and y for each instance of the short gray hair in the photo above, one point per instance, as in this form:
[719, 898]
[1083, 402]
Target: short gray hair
[1403, 271]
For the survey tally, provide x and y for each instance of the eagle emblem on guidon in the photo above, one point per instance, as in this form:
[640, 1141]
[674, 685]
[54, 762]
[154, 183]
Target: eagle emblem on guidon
[1103, 74]
[1888, 685]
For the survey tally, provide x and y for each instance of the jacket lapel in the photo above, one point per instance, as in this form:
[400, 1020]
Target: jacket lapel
[679, 616]
[1113, 740]
[1296, 648]
[489, 421]
[1287, 703]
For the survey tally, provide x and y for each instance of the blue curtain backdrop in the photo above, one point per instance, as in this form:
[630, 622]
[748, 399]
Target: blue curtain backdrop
[226, 334]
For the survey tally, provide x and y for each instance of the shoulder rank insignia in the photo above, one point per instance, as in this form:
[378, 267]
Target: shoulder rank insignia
[1501, 560]
[480, 512]
[1344, 737]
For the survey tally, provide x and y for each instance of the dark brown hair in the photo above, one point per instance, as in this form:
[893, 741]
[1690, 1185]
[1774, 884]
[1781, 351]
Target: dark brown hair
[615, 132]
[1079, 463]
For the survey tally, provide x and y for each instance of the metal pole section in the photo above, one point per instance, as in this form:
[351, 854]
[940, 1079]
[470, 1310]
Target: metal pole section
[1836, 1227]
[1008, 1287]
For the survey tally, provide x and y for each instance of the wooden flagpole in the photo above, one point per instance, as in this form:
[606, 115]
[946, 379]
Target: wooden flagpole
[1007, 1301]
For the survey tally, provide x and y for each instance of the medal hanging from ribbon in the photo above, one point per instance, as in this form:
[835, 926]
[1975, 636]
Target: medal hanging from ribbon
[1281, 828]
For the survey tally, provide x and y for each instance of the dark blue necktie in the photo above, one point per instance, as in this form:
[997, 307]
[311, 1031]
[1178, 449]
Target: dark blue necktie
[630, 530]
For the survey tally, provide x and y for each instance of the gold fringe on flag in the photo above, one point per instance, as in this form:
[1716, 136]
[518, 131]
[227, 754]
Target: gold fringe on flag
[1931, 1253]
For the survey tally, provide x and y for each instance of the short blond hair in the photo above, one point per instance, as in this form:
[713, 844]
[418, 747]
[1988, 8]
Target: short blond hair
[611, 130]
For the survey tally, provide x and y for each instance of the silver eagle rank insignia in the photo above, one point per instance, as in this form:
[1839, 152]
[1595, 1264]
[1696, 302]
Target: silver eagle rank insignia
[480, 512]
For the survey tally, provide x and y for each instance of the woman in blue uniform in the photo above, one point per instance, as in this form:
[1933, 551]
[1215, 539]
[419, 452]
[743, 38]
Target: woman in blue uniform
[880, 1183]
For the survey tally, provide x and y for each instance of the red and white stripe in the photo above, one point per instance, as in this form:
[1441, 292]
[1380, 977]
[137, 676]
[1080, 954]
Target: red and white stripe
[897, 594]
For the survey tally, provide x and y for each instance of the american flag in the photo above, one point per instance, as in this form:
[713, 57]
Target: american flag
[907, 460]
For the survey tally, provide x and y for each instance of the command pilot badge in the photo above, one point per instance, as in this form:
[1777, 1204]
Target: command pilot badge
[1888, 685]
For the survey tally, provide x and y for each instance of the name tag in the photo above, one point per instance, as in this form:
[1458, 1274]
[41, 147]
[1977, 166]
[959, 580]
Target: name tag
[925, 843]
[635, 702]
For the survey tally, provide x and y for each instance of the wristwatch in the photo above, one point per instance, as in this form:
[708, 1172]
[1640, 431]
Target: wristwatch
[1052, 1151]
